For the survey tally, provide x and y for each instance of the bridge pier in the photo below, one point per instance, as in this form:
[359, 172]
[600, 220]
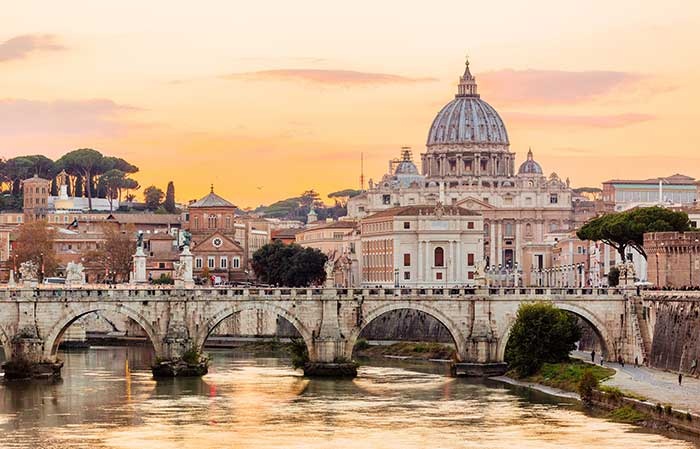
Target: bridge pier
[27, 362]
[179, 355]
[327, 354]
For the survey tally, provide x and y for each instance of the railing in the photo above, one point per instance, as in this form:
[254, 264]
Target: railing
[148, 292]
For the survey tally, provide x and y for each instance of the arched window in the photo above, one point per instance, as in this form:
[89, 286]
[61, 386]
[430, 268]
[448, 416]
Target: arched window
[439, 257]
[528, 229]
[212, 221]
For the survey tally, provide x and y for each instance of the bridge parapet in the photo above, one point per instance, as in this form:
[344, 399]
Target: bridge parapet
[129, 292]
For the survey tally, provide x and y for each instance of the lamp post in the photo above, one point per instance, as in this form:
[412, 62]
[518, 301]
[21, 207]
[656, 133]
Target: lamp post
[41, 267]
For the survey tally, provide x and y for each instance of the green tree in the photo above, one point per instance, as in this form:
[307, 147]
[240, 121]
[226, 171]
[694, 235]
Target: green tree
[34, 242]
[541, 334]
[614, 277]
[153, 196]
[111, 182]
[85, 162]
[170, 199]
[586, 386]
[289, 265]
[626, 229]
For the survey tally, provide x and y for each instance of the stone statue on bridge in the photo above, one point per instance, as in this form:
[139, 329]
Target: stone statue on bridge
[75, 274]
[29, 271]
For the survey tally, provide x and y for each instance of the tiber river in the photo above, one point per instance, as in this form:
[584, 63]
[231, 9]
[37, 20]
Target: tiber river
[107, 399]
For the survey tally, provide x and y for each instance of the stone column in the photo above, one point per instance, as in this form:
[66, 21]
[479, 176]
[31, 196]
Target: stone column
[450, 262]
[428, 262]
[492, 243]
[477, 165]
[184, 277]
[460, 165]
[499, 241]
[518, 243]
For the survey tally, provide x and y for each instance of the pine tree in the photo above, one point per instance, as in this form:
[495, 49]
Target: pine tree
[78, 186]
[54, 187]
[170, 198]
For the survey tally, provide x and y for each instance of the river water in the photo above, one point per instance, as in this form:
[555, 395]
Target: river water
[107, 399]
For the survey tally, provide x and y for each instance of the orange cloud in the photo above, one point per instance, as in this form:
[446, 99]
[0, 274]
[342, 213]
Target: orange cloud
[551, 86]
[592, 121]
[326, 77]
[88, 117]
[21, 46]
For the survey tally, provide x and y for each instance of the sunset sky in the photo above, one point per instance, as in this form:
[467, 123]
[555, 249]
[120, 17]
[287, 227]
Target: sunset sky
[266, 99]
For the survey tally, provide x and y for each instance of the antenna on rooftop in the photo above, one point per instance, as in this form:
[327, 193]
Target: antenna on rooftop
[362, 171]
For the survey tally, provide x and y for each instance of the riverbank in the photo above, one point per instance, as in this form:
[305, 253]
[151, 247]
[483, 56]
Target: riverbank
[562, 379]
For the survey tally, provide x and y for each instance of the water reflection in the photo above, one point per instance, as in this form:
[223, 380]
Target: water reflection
[109, 400]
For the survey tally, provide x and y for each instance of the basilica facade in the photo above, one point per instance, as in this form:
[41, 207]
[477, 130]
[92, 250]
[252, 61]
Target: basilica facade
[468, 163]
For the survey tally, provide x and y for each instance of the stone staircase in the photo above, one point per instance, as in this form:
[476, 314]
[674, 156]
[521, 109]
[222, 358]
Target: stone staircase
[641, 332]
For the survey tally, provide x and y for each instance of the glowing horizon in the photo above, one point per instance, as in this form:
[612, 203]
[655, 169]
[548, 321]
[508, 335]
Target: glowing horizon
[266, 101]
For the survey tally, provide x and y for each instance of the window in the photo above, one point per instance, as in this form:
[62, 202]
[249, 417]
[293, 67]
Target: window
[210, 262]
[228, 221]
[236, 262]
[470, 275]
[438, 276]
[470, 225]
[161, 265]
[198, 262]
[196, 222]
[553, 198]
[338, 236]
[439, 257]
[407, 225]
[212, 221]
[509, 229]
[486, 199]
[407, 260]
[406, 275]
[470, 259]
[386, 199]
[528, 229]
[223, 262]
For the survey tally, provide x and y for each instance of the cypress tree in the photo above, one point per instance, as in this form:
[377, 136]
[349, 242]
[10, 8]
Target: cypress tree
[170, 198]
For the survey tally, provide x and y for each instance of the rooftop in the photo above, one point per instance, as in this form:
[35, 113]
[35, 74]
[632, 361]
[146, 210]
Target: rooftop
[212, 200]
[676, 179]
[412, 211]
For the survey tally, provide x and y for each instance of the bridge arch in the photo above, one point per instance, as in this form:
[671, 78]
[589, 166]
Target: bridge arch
[606, 340]
[77, 311]
[227, 312]
[457, 335]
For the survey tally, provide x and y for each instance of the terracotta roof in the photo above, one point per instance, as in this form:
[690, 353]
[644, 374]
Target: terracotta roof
[145, 218]
[288, 232]
[677, 179]
[406, 211]
[212, 200]
[344, 224]
[159, 236]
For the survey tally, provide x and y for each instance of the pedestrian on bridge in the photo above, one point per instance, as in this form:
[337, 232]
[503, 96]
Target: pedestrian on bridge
[636, 362]
[593, 356]
[680, 378]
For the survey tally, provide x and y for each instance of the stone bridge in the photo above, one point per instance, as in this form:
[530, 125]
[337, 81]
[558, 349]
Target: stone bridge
[33, 321]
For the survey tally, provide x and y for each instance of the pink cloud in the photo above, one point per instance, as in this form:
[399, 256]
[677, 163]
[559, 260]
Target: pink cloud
[21, 46]
[551, 86]
[592, 121]
[62, 117]
[326, 77]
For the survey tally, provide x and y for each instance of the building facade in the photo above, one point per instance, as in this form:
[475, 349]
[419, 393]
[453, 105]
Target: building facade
[421, 246]
[674, 258]
[622, 194]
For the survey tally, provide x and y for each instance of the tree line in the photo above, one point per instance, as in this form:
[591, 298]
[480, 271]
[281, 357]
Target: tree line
[298, 207]
[90, 174]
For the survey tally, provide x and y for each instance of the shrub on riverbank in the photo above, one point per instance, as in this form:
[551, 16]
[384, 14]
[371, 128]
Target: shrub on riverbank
[628, 415]
[541, 334]
[416, 350]
[568, 376]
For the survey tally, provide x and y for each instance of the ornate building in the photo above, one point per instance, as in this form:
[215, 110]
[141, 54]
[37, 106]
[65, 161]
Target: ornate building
[468, 162]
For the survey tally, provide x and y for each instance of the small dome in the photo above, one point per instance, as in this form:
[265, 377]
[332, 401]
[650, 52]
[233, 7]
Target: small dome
[406, 168]
[530, 167]
[406, 172]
